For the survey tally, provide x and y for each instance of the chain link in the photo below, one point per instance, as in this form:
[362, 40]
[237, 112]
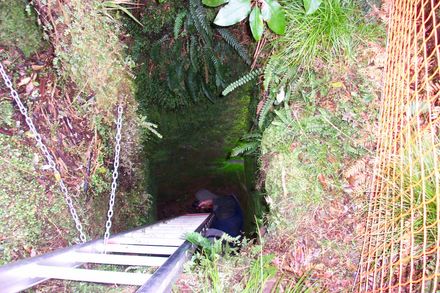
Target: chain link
[115, 175]
[45, 152]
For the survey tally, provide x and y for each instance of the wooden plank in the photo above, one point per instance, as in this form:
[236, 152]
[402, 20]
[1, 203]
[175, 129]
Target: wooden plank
[146, 241]
[96, 276]
[139, 249]
[117, 259]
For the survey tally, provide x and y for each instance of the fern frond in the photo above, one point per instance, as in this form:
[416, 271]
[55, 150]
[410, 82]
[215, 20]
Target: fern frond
[235, 44]
[193, 51]
[207, 93]
[246, 148]
[201, 17]
[198, 17]
[178, 23]
[284, 118]
[358, 167]
[264, 111]
[241, 81]
[313, 126]
[269, 72]
[218, 72]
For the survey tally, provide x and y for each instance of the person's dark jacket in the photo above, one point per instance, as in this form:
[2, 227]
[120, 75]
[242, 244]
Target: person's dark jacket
[228, 215]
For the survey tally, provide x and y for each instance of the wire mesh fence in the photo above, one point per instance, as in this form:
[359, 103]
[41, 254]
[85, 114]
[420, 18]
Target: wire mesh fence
[401, 250]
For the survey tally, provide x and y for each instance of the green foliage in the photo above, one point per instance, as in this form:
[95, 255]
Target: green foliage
[234, 11]
[249, 144]
[156, 18]
[178, 23]
[417, 188]
[6, 114]
[241, 81]
[213, 250]
[256, 23]
[92, 56]
[305, 146]
[118, 5]
[19, 27]
[267, 106]
[214, 3]
[32, 218]
[217, 267]
[209, 256]
[190, 68]
[311, 6]
[274, 15]
[324, 34]
[260, 271]
[235, 44]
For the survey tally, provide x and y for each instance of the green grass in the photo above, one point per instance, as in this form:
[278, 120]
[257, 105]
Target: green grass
[417, 186]
[19, 26]
[313, 41]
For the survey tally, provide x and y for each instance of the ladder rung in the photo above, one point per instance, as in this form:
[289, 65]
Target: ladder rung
[176, 227]
[115, 259]
[186, 221]
[146, 241]
[96, 276]
[140, 249]
[155, 234]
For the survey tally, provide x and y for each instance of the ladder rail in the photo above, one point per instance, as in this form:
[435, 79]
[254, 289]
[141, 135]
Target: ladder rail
[162, 280]
[12, 278]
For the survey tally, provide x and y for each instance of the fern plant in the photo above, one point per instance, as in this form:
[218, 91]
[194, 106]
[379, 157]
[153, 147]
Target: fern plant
[241, 81]
[188, 63]
[178, 23]
[262, 115]
[235, 44]
[249, 144]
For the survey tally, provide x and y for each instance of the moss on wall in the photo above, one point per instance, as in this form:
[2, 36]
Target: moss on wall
[197, 142]
[32, 218]
[19, 26]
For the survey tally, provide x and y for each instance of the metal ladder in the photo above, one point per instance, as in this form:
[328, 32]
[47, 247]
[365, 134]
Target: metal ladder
[159, 245]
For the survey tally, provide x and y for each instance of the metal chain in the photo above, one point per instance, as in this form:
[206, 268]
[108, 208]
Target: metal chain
[115, 175]
[45, 152]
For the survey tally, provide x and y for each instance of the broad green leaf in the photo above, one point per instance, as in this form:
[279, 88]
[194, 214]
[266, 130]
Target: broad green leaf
[214, 3]
[273, 14]
[311, 6]
[256, 23]
[233, 12]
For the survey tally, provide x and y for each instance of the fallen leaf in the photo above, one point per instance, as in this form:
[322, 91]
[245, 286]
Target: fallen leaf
[337, 84]
[29, 88]
[322, 180]
[37, 67]
[24, 81]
